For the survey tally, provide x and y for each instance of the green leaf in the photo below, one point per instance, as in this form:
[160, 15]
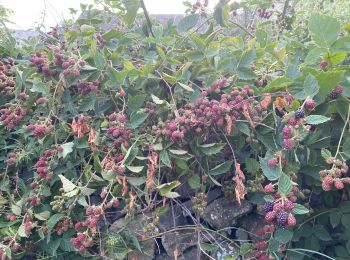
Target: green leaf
[131, 6]
[329, 80]
[321, 233]
[284, 184]
[137, 119]
[261, 37]
[346, 147]
[178, 152]
[67, 184]
[187, 23]
[334, 218]
[157, 100]
[135, 169]
[299, 209]
[210, 149]
[221, 168]
[221, 13]
[164, 158]
[194, 181]
[271, 173]
[100, 61]
[283, 235]
[44, 215]
[136, 181]
[324, 29]
[311, 87]
[67, 148]
[186, 87]
[314, 56]
[165, 189]
[316, 119]
[136, 102]
[41, 87]
[279, 83]
[245, 73]
[325, 153]
[21, 231]
[54, 219]
[336, 57]
[252, 165]
[345, 220]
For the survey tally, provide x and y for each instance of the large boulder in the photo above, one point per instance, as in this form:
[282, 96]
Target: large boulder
[225, 212]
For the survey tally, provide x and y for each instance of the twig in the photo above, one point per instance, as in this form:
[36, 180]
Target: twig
[243, 28]
[145, 12]
[342, 132]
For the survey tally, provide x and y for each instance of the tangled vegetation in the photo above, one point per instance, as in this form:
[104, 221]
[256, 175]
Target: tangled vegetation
[97, 125]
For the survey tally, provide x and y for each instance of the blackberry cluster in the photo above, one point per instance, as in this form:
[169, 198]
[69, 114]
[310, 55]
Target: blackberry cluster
[118, 130]
[39, 129]
[41, 62]
[7, 81]
[63, 225]
[100, 41]
[336, 176]
[264, 13]
[13, 115]
[208, 113]
[85, 87]
[42, 166]
[81, 242]
[335, 93]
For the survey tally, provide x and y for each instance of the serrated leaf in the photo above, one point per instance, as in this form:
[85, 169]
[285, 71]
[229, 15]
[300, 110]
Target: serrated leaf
[316, 119]
[137, 119]
[326, 153]
[324, 29]
[44, 215]
[271, 173]
[54, 219]
[67, 184]
[21, 231]
[221, 168]
[178, 152]
[186, 87]
[211, 149]
[194, 181]
[67, 148]
[314, 56]
[164, 158]
[131, 6]
[136, 181]
[135, 169]
[334, 218]
[321, 233]
[157, 100]
[299, 209]
[284, 184]
[329, 80]
[311, 87]
[252, 165]
[283, 235]
[245, 73]
[187, 23]
[277, 84]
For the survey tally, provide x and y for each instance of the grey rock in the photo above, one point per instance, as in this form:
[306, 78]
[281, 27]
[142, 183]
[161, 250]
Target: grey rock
[135, 226]
[180, 240]
[224, 212]
[250, 225]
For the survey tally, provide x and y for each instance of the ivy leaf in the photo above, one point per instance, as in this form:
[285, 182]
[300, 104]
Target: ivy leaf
[284, 184]
[210, 149]
[187, 23]
[221, 168]
[316, 119]
[299, 209]
[271, 173]
[324, 29]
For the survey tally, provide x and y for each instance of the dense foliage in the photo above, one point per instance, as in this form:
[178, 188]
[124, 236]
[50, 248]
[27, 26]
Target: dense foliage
[97, 124]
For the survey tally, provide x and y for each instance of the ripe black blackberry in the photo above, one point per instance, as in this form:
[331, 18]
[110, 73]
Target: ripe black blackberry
[268, 206]
[333, 95]
[299, 113]
[282, 217]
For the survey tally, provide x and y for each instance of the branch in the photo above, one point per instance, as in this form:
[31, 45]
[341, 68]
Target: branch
[149, 23]
[243, 28]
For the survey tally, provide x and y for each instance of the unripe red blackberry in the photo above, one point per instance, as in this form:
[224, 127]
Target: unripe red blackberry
[41, 100]
[271, 163]
[310, 104]
[122, 93]
[270, 216]
[277, 206]
[268, 188]
[291, 220]
[287, 132]
[288, 205]
[338, 184]
[326, 186]
[115, 203]
[120, 169]
[288, 144]
[328, 180]
[292, 121]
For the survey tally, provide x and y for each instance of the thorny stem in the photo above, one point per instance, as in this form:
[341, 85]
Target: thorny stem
[343, 131]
